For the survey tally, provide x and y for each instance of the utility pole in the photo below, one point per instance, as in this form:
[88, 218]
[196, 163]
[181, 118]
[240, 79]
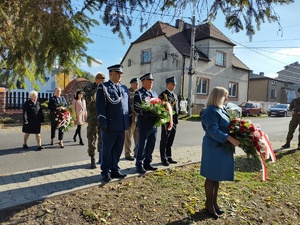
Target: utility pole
[191, 71]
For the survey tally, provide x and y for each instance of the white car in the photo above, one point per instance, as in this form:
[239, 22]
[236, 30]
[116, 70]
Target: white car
[234, 109]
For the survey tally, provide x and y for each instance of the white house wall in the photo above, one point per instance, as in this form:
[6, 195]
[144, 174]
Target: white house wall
[161, 69]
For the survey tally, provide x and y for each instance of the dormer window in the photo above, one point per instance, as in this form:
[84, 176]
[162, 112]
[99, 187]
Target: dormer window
[220, 58]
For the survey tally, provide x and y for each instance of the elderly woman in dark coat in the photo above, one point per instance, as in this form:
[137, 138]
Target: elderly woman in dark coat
[32, 118]
[217, 163]
[56, 103]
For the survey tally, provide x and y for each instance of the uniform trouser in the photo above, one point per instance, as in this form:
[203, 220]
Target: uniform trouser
[60, 132]
[166, 142]
[92, 133]
[132, 131]
[295, 121]
[113, 142]
[146, 144]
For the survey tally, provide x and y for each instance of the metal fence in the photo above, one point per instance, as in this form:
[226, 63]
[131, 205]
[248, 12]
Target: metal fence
[15, 99]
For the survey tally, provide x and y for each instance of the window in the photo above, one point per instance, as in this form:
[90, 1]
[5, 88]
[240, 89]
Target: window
[273, 94]
[220, 58]
[129, 63]
[274, 82]
[165, 55]
[146, 56]
[233, 88]
[202, 86]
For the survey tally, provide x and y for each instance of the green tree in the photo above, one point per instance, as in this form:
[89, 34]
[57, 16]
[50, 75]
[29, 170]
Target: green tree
[37, 35]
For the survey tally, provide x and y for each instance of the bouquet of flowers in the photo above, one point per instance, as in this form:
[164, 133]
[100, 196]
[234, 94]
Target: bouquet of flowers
[159, 109]
[252, 140]
[62, 118]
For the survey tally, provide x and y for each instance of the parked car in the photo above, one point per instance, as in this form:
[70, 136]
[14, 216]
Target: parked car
[279, 110]
[251, 108]
[234, 108]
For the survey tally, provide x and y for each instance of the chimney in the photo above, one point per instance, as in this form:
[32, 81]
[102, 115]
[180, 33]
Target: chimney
[261, 74]
[179, 24]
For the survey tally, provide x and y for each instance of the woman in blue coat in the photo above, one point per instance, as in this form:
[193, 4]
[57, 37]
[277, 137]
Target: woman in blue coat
[217, 163]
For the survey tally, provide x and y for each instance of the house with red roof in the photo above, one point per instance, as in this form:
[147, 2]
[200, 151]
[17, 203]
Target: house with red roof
[164, 50]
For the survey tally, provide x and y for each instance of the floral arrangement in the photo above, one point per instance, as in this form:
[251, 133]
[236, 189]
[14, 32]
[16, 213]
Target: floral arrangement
[62, 118]
[159, 109]
[252, 140]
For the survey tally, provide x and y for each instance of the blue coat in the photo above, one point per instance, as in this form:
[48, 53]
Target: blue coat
[143, 121]
[217, 161]
[113, 107]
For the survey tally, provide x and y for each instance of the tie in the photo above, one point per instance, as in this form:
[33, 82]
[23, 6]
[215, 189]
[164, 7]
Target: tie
[118, 88]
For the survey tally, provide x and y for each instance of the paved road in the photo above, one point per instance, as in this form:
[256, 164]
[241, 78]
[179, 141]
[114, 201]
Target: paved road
[28, 175]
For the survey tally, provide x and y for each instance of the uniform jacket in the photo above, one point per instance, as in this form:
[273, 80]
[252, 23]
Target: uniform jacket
[57, 101]
[90, 92]
[32, 115]
[143, 121]
[113, 107]
[79, 107]
[173, 100]
[131, 96]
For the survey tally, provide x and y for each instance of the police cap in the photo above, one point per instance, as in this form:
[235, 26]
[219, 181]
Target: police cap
[147, 76]
[171, 80]
[115, 68]
[133, 80]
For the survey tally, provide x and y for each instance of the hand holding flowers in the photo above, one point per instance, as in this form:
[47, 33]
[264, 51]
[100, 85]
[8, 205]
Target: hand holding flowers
[155, 107]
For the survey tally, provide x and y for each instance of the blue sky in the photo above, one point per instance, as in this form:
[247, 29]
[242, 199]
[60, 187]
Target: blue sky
[270, 50]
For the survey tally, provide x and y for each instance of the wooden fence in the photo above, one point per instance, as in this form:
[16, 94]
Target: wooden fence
[15, 99]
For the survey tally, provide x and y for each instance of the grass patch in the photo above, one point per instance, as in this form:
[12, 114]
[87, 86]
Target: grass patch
[176, 196]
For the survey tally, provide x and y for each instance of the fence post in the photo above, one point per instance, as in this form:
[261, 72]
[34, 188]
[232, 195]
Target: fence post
[2, 100]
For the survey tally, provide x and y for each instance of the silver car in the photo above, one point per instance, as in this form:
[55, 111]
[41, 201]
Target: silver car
[234, 109]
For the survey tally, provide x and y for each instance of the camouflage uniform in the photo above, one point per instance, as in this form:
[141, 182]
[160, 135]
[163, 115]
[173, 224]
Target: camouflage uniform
[92, 127]
[295, 121]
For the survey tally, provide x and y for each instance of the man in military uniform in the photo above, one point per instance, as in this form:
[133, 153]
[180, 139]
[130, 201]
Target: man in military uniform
[132, 130]
[147, 131]
[92, 128]
[295, 121]
[167, 136]
[114, 117]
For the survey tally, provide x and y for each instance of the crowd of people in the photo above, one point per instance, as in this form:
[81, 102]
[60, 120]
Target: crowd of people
[113, 117]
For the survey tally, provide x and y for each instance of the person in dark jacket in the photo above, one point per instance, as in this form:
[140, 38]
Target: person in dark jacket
[147, 130]
[114, 117]
[32, 118]
[56, 103]
[217, 162]
[167, 136]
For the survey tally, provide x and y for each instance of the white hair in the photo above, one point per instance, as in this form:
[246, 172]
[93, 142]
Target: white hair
[33, 93]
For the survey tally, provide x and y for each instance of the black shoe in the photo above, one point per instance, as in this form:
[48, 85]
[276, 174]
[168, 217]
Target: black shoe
[149, 167]
[130, 158]
[212, 215]
[106, 177]
[170, 160]
[219, 211]
[74, 139]
[141, 170]
[117, 175]
[298, 147]
[39, 148]
[165, 163]
[25, 146]
[286, 145]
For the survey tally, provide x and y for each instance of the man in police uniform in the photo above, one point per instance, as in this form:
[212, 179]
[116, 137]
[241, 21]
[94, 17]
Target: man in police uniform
[167, 136]
[92, 128]
[132, 130]
[295, 121]
[147, 131]
[114, 117]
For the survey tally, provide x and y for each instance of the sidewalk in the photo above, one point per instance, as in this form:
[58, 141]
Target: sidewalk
[29, 186]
